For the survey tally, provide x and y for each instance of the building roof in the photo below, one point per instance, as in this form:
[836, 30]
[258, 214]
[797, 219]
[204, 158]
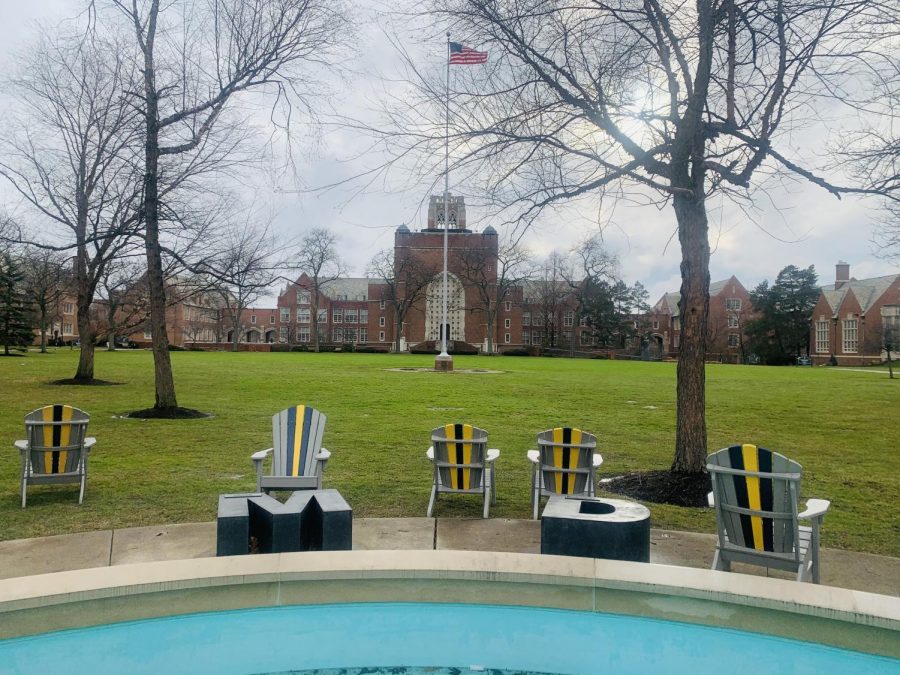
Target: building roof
[351, 288]
[668, 303]
[867, 291]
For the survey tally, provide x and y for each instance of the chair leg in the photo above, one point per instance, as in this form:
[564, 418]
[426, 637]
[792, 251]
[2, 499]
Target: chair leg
[487, 502]
[537, 504]
[24, 490]
[83, 480]
[719, 562]
[493, 486]
[814, 543]
[432, 500]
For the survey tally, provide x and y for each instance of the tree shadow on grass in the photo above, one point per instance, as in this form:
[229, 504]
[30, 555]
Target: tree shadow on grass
[662, 487]
[84, 383]
[176, 413]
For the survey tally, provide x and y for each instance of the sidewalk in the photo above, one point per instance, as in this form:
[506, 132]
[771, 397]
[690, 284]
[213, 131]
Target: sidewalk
[23, 557]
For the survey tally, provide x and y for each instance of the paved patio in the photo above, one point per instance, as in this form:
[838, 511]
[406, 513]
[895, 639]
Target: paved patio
[23, 557]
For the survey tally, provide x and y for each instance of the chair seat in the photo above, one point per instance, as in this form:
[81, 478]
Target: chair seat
[804, 544]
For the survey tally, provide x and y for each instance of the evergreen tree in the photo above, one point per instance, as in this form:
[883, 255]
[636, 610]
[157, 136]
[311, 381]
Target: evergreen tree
[15, 317]
[780, 333]
[609, 309]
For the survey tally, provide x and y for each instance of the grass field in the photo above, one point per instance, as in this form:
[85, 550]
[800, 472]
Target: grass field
[840, 425]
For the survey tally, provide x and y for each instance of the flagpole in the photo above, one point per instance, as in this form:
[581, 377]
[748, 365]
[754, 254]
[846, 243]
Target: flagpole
[443, 358]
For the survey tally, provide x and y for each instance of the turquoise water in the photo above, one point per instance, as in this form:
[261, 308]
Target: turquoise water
[422, 638]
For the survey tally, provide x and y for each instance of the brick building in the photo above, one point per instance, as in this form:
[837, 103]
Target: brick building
[849, 318]
[729, 310]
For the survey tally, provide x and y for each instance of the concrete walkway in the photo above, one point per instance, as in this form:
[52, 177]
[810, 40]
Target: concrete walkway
[23, 557]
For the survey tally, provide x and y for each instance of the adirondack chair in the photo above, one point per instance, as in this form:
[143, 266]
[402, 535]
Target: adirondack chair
[462, 463]
[756, 494]
[298, 458]
[564, 463]
[55, 449]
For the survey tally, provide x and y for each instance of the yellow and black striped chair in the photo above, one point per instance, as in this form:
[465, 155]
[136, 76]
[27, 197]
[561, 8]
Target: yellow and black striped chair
[56, 448]
[756, 494]
[462, 463]
[565, 463]
[298, 458]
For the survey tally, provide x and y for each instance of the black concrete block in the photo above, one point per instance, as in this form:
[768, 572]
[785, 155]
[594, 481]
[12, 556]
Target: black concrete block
[233, 524]
[612, 529]
[276, 526]
[326, 520]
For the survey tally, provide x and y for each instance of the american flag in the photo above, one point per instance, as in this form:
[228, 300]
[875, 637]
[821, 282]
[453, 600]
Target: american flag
[465, 56]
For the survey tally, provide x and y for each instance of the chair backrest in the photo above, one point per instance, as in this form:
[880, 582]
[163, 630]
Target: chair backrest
[55, 438]
[296, 439]
[566, 456]
[757, 496]
[459, 453]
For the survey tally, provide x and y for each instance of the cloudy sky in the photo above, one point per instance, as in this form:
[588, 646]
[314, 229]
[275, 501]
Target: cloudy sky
[799, 225]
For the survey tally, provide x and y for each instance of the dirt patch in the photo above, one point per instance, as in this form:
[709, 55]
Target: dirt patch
[662, 487]
[85, 383]
[178, 413]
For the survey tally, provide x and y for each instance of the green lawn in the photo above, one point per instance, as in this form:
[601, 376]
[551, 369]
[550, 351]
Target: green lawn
[840, 425]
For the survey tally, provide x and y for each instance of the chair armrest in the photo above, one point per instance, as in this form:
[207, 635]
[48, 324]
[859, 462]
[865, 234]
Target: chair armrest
[261, 455]
[21, 445]
[429, 453]
[89, 442]
[711, 500]
[598, 460]
[492, 454]
[533, 456]
[815, 508]
[323, 455]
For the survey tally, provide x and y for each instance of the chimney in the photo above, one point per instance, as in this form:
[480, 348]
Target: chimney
[841, 274]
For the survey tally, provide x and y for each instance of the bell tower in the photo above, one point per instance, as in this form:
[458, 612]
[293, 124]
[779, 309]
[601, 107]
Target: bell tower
[456, 213]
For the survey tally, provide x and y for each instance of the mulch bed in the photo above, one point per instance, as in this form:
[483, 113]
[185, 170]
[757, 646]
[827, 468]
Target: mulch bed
[85, 383]
[662, 487]
[178, 413]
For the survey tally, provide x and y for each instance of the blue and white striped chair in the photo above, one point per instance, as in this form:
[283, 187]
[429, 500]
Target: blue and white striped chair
[298, 458]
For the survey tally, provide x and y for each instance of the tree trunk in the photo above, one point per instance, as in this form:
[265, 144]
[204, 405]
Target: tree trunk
[890, 365]
[43, 332]
[85, 372]
[314, 318]
[690, 434]
[165, 383]
[235, 331]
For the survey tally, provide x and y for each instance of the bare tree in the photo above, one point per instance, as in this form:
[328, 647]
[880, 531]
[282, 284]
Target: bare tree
[197, 57]
[124, 310]
[46, 282]
[493, 284]
[653, 100]
[406, 279]
[547, 295]
[242, 270]
[68, 155]
[318, 258]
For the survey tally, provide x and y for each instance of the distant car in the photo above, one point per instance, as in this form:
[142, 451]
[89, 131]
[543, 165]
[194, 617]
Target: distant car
[804, 361]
